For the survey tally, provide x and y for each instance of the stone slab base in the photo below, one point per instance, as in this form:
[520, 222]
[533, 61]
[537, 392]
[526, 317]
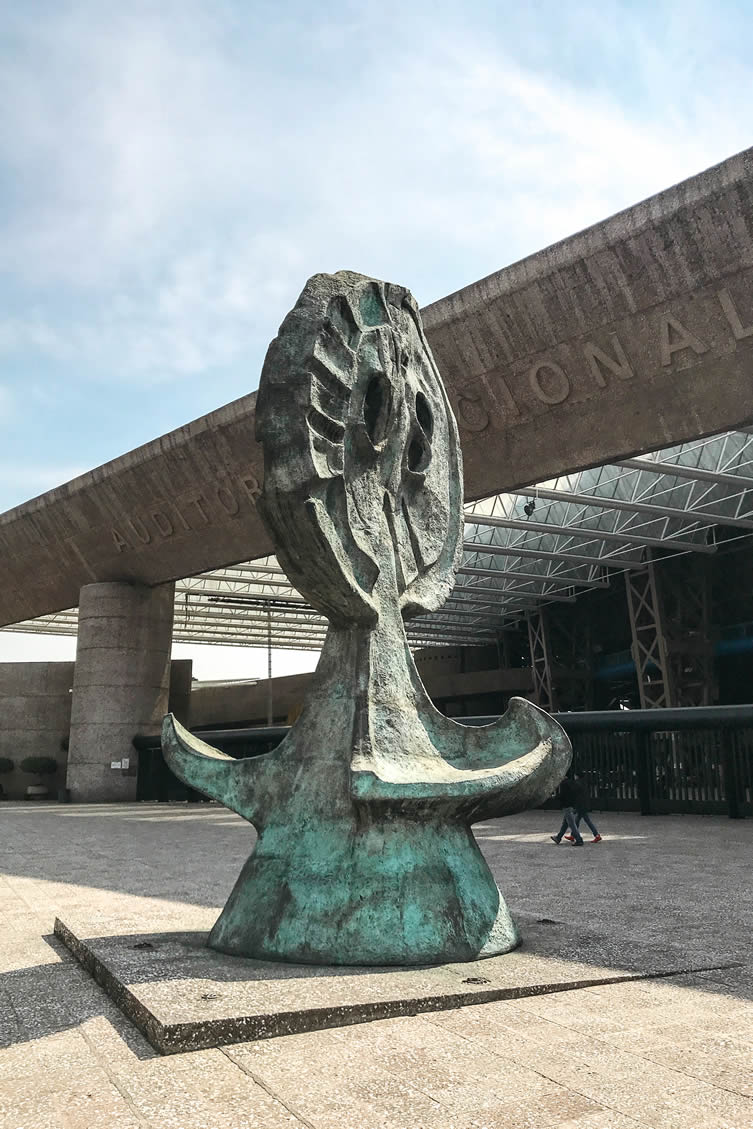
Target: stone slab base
[185, 997]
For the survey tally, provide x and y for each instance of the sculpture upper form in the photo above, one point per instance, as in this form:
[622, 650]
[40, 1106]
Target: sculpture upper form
[365, 854]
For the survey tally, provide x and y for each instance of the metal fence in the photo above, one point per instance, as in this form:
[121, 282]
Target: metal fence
[702, 772]
[157, 782]
[697, 760]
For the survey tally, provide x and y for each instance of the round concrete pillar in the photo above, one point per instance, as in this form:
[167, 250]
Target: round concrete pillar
[120, 685]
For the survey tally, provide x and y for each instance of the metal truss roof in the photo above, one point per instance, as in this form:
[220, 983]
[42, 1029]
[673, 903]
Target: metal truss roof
[523, 549]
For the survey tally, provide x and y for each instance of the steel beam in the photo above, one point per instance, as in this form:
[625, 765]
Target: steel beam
[541, 659]
[567, 581]
[630, 538]
[684, 589]
[649, 640]
[492, 602]
[541, 554]
[537, 577]
[679, 470]
[697, 517]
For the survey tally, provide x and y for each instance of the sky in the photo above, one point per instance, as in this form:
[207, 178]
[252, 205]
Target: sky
[171, 174]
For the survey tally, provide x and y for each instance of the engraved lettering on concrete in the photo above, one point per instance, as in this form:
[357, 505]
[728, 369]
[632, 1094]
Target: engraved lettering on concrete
[181, 518]
[250, 484]
[121, 542]
[218, 503]
[140, 530]
[498, 384]
[506, 401]
[163, 523]
[199, 501]
[599, 360]
[472, 415]
[227, 500]
[550, 383]
[557, 386]
[674, 338]
[739, 331]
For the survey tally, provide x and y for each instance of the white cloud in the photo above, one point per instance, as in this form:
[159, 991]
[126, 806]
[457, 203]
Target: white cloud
[183, 174]
[35, 480]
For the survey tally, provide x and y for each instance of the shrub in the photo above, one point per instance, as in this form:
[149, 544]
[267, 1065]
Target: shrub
[39, 766]
[6, 765]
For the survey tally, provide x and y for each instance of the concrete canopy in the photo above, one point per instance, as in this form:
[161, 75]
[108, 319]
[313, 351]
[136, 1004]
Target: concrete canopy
[521, 550]
[628, 337]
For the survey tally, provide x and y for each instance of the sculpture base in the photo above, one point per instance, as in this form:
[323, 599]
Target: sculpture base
[233, 935]
[184, 997]
[396, 891]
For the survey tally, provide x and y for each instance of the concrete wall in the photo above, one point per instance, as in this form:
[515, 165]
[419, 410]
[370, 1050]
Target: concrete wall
[435, 662]
[630, 336]
[35, 715]
[229, 704]
[239, 703]
[35, 712]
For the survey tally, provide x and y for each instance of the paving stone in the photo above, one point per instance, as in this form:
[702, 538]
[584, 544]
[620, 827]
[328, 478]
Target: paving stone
[336, 1089]
[437, 1061]
[203, 1089]
[86, 1103]
[603, 1119]
[23, 1111]
[653, 1054]
[45, 1058]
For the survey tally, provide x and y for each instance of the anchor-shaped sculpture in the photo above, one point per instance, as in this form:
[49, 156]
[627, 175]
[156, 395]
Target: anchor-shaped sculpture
[365, 854]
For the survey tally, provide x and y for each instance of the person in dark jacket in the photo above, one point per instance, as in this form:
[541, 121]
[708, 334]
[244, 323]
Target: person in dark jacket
[583, 807]
[571, 794]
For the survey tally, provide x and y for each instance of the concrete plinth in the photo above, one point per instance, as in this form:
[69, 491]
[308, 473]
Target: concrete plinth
[120, 685]
[184, 996]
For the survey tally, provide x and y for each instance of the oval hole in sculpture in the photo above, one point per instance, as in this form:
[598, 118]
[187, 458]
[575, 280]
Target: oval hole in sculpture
[424, 415]
[415, 454]
[376, 408]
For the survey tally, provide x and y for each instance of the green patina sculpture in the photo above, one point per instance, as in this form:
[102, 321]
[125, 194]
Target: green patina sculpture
[365, 854]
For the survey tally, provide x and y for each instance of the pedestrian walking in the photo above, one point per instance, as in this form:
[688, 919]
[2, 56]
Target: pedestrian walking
[569, 796]
[583, 808]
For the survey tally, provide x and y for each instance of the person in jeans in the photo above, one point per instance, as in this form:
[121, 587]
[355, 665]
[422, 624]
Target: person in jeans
[570, 796]
[582, 809]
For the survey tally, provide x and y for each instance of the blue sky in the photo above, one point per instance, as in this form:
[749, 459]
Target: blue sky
[171, 173]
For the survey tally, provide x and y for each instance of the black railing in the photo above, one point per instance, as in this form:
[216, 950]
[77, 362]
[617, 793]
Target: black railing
[693, 760]
[157, 782]
[697, 760]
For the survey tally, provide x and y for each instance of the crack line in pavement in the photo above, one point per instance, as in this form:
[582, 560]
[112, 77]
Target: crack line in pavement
[268, 1090]
[622, 1050]
[20, 1025]
[125, 1095]
[556, 1081]
[337, 1032]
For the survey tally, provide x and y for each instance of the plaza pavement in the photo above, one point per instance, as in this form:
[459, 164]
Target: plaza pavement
[671, 1054]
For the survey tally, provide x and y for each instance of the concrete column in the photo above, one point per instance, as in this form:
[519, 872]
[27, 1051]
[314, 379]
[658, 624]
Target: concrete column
[120, 684]
[181, 680]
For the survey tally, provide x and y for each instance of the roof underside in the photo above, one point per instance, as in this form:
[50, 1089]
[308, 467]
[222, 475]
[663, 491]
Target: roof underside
[547, 543]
